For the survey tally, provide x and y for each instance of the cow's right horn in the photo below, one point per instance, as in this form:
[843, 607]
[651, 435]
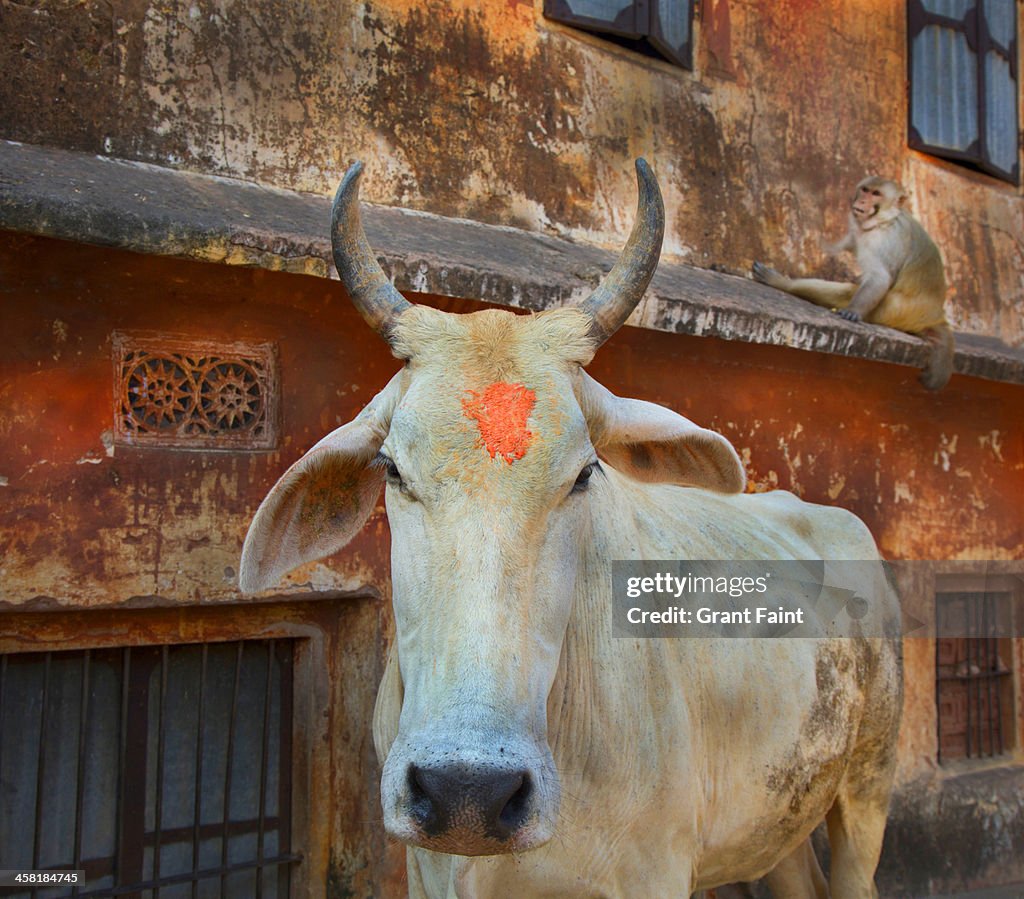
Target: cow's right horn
[623, 287]
[372, 293]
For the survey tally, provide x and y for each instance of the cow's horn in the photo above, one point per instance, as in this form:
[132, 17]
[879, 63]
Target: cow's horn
[372, 293]
[617, 295]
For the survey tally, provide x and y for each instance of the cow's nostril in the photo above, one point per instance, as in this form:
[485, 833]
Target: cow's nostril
[421, 804]
[514, 814]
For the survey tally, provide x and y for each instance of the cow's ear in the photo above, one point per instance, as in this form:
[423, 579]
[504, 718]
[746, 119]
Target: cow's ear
[655, 445]
[322, 501]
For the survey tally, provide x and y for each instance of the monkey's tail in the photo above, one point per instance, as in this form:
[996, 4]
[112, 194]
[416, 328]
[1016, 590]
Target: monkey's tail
[937, 372]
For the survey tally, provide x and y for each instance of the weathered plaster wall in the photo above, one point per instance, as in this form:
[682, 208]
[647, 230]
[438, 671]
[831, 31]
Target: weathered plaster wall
[89, 524]
[935, 476]
[489, 111]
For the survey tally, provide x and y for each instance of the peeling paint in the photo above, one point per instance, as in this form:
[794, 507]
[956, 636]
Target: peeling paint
[835, 487]
[901, 492]
[993, 440]
[947, 449]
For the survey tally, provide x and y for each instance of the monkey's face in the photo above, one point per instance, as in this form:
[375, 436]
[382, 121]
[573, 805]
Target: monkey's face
[867, 202]
[875, 196]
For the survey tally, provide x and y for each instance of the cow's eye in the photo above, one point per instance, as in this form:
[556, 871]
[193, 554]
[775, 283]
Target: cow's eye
[583, 478]
[391, 471]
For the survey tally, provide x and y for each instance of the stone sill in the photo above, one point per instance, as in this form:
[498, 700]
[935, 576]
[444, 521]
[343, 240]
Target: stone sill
[150, 209]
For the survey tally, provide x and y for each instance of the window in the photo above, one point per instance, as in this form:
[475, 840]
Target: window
[162, 771]
[654, 27]
[963, 82]
[973, 683]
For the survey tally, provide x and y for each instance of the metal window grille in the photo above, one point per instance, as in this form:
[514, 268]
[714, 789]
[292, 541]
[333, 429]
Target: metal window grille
[973, 686]
[162, 771]
[962, 73]
[654, 27]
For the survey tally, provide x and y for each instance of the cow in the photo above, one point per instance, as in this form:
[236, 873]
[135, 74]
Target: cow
[526, 751]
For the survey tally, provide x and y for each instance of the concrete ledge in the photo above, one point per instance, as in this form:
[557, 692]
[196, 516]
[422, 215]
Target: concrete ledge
[149, 209]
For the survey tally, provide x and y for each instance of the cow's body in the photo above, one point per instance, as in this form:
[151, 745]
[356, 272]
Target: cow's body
[686, 763]
[526, 752]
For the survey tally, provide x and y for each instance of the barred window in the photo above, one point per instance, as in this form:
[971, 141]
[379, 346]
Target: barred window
[973, 683]
[963, 82]
[163, 772]
[662, 28]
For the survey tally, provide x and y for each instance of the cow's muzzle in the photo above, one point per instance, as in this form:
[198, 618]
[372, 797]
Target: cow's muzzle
[477, 807]
[492, 801]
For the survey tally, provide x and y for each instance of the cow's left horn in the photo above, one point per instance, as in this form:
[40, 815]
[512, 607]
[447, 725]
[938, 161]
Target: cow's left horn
[622, 288]
[372, 293]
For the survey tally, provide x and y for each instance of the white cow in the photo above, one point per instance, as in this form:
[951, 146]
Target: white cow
[526, 751]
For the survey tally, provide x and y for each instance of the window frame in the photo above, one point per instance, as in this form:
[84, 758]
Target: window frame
[645, 27]
[975, 31]
[987, 691]
[307, 624]
[949, 583]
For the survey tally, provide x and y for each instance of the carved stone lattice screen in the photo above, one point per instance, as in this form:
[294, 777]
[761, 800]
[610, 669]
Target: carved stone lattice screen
[194, 394]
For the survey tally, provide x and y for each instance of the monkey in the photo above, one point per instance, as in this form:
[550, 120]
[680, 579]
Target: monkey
[902, 283]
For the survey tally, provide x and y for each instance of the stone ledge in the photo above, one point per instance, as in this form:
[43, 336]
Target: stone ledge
[150, 209]
[948, 833]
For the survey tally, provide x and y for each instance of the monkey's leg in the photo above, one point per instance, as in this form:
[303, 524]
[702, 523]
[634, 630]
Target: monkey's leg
[831, 294]
[871, 290]
[940, 364]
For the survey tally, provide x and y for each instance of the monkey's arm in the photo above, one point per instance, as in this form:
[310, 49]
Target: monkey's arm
[874, 285]
[845, 243]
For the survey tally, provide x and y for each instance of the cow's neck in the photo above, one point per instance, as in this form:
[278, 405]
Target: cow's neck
[594, 722]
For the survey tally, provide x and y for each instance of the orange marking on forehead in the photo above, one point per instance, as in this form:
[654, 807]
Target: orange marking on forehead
[501, 412]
